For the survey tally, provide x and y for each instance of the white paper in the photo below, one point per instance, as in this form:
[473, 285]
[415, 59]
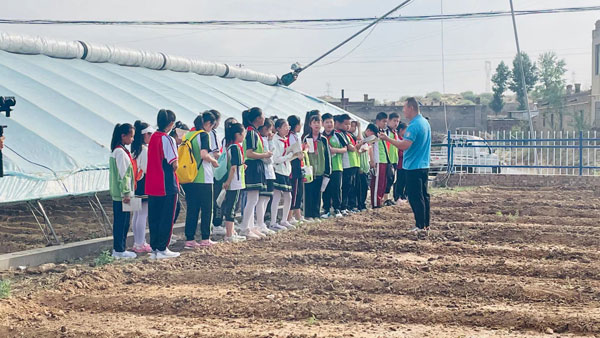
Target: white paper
[324, 184]
[221, 197]
[371, 139]
[311, 145]
[135, 204]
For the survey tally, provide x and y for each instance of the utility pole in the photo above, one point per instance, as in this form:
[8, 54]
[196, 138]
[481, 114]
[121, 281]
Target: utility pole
[524, 83]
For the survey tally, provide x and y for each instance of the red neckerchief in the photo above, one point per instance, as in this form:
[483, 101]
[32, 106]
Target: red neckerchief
[286, 143]
[241, 150]
[316, 144]
[328, 137]
[349, 136]
[251, 128]
[137, 174]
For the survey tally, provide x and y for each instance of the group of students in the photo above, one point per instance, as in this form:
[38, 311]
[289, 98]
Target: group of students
[322, 167]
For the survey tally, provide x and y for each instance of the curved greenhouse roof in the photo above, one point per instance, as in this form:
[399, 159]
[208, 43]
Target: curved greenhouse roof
[58, 136]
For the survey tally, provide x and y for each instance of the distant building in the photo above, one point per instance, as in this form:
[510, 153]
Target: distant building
[576, 112]
[471, 117]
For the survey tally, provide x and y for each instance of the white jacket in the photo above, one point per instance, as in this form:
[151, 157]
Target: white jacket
[281, 162]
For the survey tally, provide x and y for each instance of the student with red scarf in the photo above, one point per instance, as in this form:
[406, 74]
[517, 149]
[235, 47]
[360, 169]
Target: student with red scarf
[162, 186]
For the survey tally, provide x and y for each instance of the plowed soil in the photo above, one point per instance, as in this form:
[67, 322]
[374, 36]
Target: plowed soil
[498, 262]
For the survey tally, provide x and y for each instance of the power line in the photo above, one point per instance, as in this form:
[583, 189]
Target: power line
[327, 22]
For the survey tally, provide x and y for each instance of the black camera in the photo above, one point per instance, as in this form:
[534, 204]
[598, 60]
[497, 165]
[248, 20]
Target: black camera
[6, 104]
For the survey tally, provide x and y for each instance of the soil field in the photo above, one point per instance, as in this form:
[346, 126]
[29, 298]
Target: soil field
[72, 219]
[498, 262]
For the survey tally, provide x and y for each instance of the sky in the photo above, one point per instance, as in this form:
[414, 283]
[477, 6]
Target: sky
[396, 59]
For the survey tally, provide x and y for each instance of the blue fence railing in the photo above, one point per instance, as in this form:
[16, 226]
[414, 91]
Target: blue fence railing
[549, 152]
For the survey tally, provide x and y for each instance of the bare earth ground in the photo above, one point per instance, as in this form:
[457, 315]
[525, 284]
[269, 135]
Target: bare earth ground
[499, 262]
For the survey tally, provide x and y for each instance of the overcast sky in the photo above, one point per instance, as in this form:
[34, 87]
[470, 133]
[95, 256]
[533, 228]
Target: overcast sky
[396, 59]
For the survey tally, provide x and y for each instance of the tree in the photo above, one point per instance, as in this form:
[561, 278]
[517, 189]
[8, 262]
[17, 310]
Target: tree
[485, 98]
[500, 80]
[531, 76]
[550, 91]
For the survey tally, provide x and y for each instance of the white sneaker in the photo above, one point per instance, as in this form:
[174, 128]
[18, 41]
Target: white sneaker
[293, 221]
[287, 225]
[338, 214]
[263, 229]
[219, 231]
[415, 229]
[257, 231]
[123, 255]
[235, 239]
[166, 254]
[326, 216]
[276, 227]
[249, 234]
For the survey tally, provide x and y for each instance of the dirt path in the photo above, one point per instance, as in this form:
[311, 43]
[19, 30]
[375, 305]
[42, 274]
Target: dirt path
[499, 262]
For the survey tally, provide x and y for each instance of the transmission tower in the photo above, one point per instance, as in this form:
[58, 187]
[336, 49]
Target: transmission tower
[488, 76]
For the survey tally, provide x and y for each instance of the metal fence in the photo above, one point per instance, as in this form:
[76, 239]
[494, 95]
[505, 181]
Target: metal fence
[509, 152]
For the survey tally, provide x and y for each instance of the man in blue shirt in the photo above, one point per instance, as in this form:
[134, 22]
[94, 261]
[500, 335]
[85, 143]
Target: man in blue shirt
[417, 147]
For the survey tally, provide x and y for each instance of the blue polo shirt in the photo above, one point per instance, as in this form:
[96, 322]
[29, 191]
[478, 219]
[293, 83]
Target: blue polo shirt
[419, 153]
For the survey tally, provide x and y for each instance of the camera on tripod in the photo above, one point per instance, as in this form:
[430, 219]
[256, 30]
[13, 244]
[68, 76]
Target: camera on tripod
[6, 104]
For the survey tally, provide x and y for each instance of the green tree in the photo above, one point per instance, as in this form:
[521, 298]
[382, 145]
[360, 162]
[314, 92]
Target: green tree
[531, 77]
[550, 91]
[500, 80]
[435, 96]
[469, 96]
[485, 98]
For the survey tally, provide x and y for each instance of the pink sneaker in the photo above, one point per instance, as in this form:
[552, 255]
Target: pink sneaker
[191, 245]
[207, 243]
[142, 248]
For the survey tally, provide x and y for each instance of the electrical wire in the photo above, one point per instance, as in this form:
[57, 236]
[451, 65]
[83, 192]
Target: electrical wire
[282, 23]
[39, 165]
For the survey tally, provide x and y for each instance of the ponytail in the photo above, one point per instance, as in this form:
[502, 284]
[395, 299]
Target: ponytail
[118, 132]
[138, 139]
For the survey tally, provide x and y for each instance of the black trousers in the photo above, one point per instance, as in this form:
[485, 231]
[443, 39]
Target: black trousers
[418, 197]
[312, 201]
[363, 188]
[199, 198]
[349, 188]
[121, 222]
[217, 212]
[161, 214]
[400, 185]
[391, 180]
[333, 193]
[229, 204]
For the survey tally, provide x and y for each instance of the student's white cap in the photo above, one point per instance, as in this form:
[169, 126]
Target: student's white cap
[149, 129]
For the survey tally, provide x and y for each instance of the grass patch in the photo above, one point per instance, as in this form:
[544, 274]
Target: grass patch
[4, 289]
[104, 258]
[312, 320]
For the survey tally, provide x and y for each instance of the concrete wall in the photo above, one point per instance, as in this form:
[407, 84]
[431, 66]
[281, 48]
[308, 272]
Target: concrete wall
[534, 181]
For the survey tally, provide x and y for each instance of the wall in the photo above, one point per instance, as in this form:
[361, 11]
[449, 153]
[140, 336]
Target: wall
[470, 117]
[569, 182]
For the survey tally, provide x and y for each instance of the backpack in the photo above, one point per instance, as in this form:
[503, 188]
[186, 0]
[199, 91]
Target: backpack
[221, 171]
[188, 166]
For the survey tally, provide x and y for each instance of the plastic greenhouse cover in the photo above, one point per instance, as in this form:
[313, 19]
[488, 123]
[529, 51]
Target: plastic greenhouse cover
[67, 108]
